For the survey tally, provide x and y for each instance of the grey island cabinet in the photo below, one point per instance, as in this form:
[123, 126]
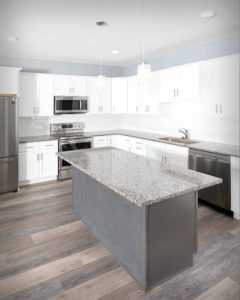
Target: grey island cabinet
[142, 210]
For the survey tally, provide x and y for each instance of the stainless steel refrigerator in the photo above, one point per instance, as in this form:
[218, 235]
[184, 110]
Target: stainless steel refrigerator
[8, 143]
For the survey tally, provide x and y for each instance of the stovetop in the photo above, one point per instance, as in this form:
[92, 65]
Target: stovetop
[74, 135]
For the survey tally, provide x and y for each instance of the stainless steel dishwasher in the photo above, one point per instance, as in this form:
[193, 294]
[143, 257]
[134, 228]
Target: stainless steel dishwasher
[215, 165]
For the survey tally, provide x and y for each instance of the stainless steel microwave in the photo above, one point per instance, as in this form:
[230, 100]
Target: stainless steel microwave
[70, 104]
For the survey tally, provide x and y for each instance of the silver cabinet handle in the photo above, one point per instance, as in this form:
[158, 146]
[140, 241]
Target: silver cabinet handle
[41, 156]
[221, 110]
[49, 145]
[136, 108]
[38, 156]
[177, 93]
[174, 93]
[28, 147]
[216, 108]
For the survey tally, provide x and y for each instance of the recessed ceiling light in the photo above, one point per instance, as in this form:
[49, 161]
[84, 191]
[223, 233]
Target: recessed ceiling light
[115, 52]
[11, 38]
[208, 14]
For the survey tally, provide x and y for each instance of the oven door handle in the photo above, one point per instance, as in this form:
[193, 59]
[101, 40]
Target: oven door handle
[75, 142]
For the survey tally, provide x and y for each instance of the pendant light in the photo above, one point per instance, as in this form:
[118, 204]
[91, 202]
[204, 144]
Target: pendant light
[144, 69]
[101, 80]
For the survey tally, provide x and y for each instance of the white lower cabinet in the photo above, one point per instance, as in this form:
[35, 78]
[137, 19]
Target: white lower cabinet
[235, 188]
[140, 147]
[37, 161]
[170, 154]
[101, 141]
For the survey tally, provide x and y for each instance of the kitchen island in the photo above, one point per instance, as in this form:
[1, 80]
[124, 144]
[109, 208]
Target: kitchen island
[144, 211]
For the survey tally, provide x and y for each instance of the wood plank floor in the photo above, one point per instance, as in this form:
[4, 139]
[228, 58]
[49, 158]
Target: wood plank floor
[46, 252]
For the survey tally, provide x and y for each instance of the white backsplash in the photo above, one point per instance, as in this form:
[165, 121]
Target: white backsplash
[171, 118]
[41, 125]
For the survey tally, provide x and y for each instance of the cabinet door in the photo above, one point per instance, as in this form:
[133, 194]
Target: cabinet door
[64, 85]
[80, 86]
[114, 140]
[133, 96]
[148, 95]
[49, 159]
[29, 162]
[105, 97]
[119, 95]
[177, 155]
[156, 150]
[188, 82]
[168, 81]
[45, 90]
[29, 95]
[229, 86]
[93, 94]
[210, 81]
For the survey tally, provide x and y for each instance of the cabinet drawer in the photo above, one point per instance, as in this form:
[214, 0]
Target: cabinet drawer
[25, 147]
[48, 145]
[235, 163]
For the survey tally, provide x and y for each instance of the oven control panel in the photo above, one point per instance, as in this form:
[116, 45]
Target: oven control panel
[66, 127]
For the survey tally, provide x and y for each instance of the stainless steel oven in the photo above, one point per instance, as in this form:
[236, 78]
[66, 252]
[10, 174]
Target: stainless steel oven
[70, 104]
[70, 144]
[70, 137]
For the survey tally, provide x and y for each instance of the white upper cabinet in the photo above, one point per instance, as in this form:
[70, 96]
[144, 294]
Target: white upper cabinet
[45, 93]
[143, 95]
[179, 83]
[99, 97]
[133, 97]
[119, 95]
[9, 80]
[148, 95]
[36, 95]
[66, 85]
[220, 86]
[28, 102]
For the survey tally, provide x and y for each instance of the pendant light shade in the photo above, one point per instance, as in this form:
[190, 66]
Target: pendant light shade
[144, 69]
[101, 80]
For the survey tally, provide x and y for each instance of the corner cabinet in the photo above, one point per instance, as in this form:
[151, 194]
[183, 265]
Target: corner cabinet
[9, 81]
[119, 95]
[100, 101]
[36, 95]
[38, 162]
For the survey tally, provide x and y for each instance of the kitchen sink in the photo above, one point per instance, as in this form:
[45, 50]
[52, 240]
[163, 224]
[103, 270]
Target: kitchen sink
[178, 140]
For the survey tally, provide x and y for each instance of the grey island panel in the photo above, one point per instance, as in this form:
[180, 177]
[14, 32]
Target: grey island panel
[152, 242]
[139, 179]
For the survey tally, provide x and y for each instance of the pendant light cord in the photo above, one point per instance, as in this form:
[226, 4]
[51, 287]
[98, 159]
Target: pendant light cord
[100, 51]
[143, 31]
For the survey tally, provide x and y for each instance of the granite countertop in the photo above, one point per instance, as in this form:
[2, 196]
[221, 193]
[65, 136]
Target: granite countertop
[37, 138]
[139, 179]
[218, 148]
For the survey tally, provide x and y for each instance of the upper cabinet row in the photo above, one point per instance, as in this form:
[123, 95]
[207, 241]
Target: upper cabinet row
[214, 82]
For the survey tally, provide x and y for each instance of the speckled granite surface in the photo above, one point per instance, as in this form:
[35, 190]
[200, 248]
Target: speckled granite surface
[224, 149]
[38, 138]
[137, 178]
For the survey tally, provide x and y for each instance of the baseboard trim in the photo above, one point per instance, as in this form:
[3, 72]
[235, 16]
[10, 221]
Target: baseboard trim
[236, 215]
[38, 180]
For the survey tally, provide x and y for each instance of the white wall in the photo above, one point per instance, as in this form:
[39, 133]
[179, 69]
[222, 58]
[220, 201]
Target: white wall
[174, 116]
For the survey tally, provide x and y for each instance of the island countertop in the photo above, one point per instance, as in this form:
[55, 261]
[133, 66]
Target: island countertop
[141, 180]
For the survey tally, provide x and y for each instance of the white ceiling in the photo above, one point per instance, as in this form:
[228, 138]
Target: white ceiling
[65, 29]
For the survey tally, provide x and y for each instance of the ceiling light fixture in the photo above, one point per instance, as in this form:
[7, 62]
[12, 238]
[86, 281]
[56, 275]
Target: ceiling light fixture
[115, 52]
[206, 14]
[144, 69]
[101, 80]
[10, 38]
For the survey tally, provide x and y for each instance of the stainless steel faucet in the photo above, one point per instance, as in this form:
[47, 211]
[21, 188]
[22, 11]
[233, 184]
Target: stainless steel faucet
[185, 133]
